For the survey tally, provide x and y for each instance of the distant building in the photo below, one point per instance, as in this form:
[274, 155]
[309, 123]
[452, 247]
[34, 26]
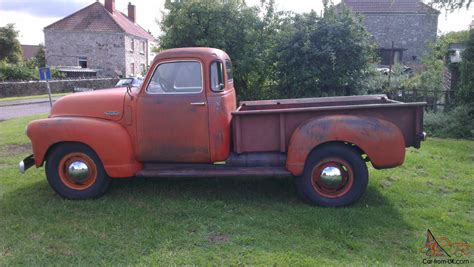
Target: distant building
[29, 51]
[101, 39]
[410, 24]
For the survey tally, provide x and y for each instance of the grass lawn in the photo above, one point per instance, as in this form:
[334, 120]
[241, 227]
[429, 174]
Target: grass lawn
[235, 221]
[16, 98]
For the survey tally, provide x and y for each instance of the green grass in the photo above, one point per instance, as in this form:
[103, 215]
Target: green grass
[235, 221]
[16, 98]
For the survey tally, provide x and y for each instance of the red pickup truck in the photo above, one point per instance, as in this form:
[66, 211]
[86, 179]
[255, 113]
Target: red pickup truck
[184, 122]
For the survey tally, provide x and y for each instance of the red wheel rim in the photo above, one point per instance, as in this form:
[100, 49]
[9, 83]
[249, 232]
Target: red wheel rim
[69, 179]
[332, 178]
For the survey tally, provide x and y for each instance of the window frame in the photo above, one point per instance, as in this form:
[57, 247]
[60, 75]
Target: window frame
[176, 93]
[224, 81]
[82, 59]
[232, 68]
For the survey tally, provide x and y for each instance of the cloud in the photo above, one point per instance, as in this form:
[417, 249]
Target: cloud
[44, 8]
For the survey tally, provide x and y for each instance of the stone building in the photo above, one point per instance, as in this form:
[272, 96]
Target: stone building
[410, 24]
[102, 39]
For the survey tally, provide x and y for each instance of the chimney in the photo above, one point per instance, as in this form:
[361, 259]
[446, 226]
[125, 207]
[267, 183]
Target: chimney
[110, 5]
[131, 12]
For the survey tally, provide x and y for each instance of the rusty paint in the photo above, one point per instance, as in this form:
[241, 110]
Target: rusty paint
[381, 140]
[108, 139]
[166, 128]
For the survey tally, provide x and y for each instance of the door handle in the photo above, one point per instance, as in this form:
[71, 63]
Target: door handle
[198, 104]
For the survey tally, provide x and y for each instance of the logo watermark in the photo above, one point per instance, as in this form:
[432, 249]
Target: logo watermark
[443, 251]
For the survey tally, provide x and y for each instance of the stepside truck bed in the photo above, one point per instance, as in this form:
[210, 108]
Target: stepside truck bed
[267, 126]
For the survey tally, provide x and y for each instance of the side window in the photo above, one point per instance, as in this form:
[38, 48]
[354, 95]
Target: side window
[176, 77]
[217, 76]
[229, 71]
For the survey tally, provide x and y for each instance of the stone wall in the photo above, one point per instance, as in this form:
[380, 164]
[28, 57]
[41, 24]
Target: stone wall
[10, 89]
[413, 32]
[104, 51]
[138, 56]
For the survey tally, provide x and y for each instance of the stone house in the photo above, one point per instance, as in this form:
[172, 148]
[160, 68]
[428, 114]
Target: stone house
[102, 39]
[410, 24]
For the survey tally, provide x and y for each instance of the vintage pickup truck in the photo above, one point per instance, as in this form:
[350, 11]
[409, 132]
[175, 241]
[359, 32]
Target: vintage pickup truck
[184, 122]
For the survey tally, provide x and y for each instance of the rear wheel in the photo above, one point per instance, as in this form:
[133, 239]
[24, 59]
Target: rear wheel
[75, 171]
[334, 175]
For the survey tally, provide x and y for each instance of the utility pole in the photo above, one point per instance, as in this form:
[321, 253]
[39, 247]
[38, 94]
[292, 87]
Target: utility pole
[391, 62]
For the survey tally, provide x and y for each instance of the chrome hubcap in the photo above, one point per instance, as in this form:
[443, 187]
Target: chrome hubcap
[78, 171]
[331, 177]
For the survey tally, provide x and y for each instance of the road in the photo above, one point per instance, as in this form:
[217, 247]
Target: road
[20, 110]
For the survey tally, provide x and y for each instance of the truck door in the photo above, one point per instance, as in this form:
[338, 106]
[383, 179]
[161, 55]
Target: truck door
[172, 115]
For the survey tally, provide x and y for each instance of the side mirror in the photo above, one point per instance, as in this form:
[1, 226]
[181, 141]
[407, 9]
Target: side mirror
[221, 86]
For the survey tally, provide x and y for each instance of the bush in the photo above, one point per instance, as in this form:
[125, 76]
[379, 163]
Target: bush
[457, 123]
[22, 71]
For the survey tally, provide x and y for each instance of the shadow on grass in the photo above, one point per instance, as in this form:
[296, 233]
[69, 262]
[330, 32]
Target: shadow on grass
[144, 217]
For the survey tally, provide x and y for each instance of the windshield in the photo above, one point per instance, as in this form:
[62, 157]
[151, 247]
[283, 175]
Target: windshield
[136, 82]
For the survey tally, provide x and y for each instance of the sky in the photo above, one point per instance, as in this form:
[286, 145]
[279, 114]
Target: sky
[31, 16]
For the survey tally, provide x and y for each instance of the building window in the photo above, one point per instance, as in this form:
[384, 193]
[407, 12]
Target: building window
[132, 45]
[82, 62]
[132, 68]
[142, 69]
[142, 47]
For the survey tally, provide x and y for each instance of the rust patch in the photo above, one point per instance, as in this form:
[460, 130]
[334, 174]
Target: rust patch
[215, 238]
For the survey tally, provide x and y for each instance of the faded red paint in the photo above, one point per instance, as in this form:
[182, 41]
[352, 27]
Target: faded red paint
[108, 139]
[381, 140]
[128, 129]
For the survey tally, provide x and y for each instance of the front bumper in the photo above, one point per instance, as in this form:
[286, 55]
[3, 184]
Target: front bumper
[26, 163]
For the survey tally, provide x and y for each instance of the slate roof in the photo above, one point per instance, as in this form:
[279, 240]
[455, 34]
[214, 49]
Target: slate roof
[389, 6]
[95, 18]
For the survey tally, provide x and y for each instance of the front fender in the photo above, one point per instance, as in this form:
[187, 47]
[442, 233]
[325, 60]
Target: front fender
[108, 139]
[381, 140]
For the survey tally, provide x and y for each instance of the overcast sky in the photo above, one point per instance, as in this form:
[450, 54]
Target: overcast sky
[31, 16]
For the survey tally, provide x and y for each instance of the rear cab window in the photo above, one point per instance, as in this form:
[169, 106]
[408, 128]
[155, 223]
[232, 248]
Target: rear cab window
[217, 76]
[229, 71]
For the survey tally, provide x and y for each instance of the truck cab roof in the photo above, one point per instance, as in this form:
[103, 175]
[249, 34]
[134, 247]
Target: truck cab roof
[205, 53]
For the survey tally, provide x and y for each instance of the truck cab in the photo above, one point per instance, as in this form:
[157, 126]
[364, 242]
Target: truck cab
[183, 121]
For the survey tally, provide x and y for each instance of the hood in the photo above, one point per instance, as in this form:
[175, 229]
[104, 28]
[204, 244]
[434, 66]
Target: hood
[104, 104]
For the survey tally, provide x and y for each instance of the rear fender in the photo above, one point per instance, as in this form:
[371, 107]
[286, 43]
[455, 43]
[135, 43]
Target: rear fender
[381, 140]
[108, 139]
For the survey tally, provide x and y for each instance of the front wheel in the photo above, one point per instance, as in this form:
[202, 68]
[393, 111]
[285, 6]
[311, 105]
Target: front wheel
[334, 175]
[75, 171]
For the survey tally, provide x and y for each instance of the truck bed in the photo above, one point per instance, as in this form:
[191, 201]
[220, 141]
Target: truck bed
[267, 125]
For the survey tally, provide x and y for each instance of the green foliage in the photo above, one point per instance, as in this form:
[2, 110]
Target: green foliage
[276, 54]
[24, 71]
[21, 71]
[232, 26]
[40, 56]
[466, 88]
[456, 123]
[324, 56]
[10, 48]
[451, 5]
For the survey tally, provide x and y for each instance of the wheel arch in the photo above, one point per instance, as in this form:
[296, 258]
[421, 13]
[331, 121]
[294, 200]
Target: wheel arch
[109, 140]
[371, 136]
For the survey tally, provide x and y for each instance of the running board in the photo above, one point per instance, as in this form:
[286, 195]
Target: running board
[201, 171]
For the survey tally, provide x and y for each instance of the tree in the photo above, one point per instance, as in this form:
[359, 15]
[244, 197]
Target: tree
[324, 56]
[451, 5]
[40, 57]
[245, 33]
[466, 90]
[10, 48]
